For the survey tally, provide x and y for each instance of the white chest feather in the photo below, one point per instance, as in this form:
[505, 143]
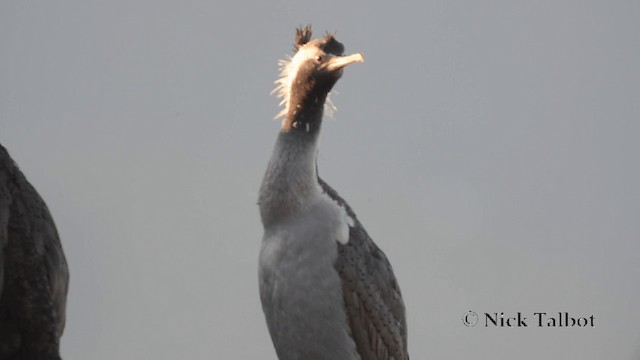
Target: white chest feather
[315, 229]
[300, 289]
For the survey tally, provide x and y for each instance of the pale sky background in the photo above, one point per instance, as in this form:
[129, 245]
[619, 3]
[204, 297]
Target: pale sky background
[490, 148]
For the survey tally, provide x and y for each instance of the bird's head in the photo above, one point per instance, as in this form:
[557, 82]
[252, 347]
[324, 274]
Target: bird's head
[308, 76]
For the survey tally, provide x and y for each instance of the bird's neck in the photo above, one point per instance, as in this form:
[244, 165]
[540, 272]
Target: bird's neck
[304, 113]
[291, 180]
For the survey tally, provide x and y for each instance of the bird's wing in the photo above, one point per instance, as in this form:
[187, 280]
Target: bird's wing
[53, 265]
[9, 338]
[5, 202]
[21, 204]
[371, 294]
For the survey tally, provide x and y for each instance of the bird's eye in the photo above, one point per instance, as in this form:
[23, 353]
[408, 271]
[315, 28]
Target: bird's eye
[319, 58]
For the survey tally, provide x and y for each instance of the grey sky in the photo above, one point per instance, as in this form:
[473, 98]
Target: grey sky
[490, 149]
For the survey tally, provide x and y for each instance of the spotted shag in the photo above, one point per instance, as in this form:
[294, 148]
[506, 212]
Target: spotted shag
[327, 291]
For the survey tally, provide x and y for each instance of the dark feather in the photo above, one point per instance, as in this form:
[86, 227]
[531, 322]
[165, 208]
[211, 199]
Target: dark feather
[371, 294]
[33, 271]
[330, 45]
[303, 35]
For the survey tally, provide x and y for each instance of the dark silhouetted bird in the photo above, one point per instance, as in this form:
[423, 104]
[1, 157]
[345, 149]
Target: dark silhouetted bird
[327, 291]
[33, 271]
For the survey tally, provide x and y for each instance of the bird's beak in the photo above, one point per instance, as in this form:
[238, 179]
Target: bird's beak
[339, 62]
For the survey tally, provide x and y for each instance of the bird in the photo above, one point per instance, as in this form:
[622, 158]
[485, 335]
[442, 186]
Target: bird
[327, 290]
[34, 275]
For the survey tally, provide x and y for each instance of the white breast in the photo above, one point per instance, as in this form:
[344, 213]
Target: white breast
[300, 288]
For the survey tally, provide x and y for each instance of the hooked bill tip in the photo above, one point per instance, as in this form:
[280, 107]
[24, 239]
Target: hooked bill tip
[340, 62]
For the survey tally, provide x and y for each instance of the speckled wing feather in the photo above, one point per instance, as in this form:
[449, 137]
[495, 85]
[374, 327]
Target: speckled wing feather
[371, 294]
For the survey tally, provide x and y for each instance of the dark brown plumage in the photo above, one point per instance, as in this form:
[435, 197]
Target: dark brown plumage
[33, 271]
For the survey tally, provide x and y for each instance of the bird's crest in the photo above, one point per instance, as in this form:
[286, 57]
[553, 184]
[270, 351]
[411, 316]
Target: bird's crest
[303, 35]
[289, 67]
